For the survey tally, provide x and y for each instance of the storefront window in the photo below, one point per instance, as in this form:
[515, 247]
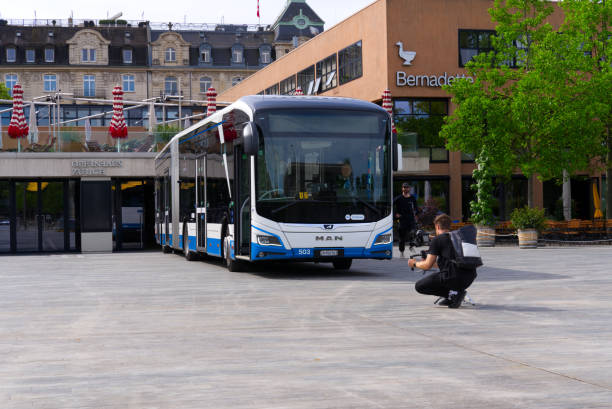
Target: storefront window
[326, 74]
[287, 87]
[273, 90]
[349, 62]
[305, 80]
[431, 195]
[418, 123]
[5, 223]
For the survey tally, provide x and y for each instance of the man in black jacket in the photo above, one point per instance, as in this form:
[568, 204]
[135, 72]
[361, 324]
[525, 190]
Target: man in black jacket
[405, 210]
[449, 283]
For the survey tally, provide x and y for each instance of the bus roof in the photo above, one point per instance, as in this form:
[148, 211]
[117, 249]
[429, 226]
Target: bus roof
[260, 102]
[265, 102]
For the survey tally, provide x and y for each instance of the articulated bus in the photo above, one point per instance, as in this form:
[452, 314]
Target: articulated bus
[280, 178]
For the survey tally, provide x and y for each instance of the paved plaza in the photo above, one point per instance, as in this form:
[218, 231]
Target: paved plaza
[151, 330]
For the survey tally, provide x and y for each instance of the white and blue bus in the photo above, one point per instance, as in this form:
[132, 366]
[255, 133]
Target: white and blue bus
[280, 178]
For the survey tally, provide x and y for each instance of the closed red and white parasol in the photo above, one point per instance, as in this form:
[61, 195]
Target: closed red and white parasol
[18, 128]
[211, 104]
[388, 106]
[118, 128]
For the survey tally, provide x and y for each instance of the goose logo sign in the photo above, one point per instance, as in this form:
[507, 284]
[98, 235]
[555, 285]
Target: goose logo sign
[402, 79]
[407, 56]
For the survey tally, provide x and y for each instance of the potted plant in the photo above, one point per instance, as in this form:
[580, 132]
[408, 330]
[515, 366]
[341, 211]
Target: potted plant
[528, 221]
[482, 207]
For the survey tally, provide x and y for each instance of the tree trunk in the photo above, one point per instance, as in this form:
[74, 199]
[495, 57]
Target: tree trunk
[530, 191]
[609, 176]
[567, 196]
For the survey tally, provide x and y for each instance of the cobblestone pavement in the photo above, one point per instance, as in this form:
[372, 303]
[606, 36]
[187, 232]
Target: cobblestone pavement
[151, 330]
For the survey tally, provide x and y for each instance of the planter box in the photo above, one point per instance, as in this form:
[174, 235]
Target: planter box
[528, 238]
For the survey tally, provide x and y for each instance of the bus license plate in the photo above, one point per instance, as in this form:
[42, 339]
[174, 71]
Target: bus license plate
[329, 253]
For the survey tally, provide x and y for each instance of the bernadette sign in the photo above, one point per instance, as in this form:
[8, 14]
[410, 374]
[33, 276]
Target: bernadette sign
[404, 80]
[93, 167]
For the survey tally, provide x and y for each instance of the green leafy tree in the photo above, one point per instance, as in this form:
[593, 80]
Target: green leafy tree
[524, 105]
[4, 92]
[587, 38]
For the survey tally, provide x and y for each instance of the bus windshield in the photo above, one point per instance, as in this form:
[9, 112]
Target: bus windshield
[323, 166]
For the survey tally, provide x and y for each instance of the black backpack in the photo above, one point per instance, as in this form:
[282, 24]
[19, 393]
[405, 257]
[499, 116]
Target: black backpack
[465, 256]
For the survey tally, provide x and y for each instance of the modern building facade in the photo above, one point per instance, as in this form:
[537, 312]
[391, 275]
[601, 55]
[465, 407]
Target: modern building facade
[412, 48]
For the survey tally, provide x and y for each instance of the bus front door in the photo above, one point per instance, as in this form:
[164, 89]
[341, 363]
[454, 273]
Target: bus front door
[201, 203]
[167, 211]
[243, 202]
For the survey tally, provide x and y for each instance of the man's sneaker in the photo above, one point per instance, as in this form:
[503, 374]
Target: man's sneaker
[455, 298]
[443, 301]
[401, 254]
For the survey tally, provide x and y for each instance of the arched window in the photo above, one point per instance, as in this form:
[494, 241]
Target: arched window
[170, 54]
[205, 83]
[50, 82]
[171, 86]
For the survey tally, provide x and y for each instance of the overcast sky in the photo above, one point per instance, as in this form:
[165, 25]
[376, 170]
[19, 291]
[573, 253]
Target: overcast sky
[190, 11]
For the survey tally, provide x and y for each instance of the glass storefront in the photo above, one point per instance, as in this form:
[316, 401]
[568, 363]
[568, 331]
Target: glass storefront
[432, 196]
[5, 219]
[43, 215]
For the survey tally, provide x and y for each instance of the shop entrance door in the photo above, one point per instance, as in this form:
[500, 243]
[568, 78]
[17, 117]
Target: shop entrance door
[133, 207]
[45, 216]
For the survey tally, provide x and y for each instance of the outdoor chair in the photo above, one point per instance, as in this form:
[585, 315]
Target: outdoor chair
[572, 231]
[597, 230]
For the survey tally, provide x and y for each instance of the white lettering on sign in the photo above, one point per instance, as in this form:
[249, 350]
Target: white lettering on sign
[404, 80]
[86, 167]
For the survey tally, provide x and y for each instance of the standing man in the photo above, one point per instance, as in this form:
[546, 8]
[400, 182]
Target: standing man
[448, 283]
[405, 210]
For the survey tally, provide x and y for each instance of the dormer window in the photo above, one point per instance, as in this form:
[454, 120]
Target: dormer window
[88, 55]
[127, 55]
[265, 54]
[11, 54]
[49, 54]
[30, 55]
[237, 54]
[170, 54]
[205, 54]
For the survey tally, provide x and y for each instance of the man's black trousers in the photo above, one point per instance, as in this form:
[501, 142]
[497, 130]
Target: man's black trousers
[406, 234]
[436, 284]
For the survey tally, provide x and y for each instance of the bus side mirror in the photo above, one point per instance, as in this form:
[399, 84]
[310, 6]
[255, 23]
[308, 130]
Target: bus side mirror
[250, 138]
[395, 152]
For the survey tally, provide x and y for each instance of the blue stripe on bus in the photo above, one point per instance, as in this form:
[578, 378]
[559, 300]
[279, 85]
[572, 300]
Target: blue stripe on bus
[213, 247]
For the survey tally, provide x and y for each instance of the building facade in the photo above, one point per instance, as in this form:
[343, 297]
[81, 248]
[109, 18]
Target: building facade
[77, 189]
[412, 48]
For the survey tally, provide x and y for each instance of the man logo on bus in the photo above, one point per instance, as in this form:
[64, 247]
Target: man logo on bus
[328, 238]
[328, 226]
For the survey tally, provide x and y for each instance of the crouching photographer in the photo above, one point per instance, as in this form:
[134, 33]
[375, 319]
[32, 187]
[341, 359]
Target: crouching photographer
[449, 282]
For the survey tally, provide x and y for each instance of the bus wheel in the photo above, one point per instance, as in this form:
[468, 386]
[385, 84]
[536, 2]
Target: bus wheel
[189, 255]
[342, 264]
[166, 249]
[232, 265]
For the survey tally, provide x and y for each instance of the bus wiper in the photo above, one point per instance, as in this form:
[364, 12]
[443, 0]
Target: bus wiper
[368, 205]
[295, 202]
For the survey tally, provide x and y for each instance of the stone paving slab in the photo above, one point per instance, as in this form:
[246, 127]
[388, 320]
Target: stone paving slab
[151, 330]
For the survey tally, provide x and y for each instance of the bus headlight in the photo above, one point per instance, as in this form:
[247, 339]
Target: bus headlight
[383, 239]
[268, 240]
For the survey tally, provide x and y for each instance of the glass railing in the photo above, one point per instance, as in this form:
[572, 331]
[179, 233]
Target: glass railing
[71, 140]
[411, 148]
